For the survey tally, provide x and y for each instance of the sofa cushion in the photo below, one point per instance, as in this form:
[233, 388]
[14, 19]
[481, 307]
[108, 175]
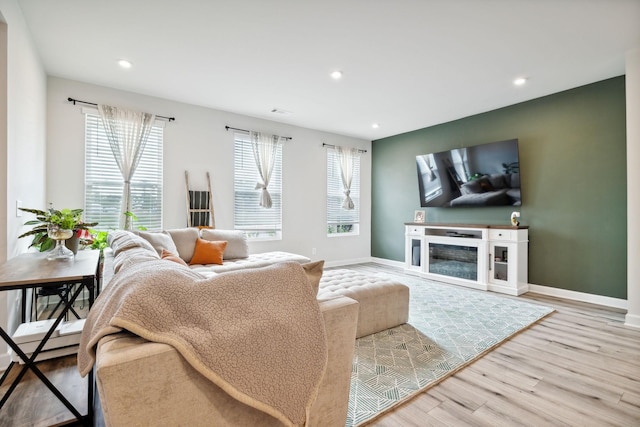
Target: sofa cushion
[253, 261]
[170, 256]
[159, 241]
[237, 246]
[382, 301]
[185, 241]
[515, 180]
[122, 240]
[485, 183]
[490, 198]
[471, 187]
[208, 252]
[498, 181]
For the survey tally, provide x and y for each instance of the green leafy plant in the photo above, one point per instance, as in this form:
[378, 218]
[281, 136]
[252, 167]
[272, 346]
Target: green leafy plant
[339, 228]
[130, 218]
[42, 241]
[99, 239]
[68, 219]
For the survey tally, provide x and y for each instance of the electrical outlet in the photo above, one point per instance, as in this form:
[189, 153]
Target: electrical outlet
[313, 251]
[18, 206]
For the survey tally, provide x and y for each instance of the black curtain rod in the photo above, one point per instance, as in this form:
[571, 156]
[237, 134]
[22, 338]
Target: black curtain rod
[324, 144]
[170, 119]
[248, 131]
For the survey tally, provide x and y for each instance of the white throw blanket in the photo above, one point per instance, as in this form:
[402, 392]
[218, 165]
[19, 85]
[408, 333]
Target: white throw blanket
[258, 334]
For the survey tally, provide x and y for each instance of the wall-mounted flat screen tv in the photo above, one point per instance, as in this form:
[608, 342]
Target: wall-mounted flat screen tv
[480, 175]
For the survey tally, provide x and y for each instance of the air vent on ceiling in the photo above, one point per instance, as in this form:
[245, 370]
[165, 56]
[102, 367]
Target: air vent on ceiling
[281, 112]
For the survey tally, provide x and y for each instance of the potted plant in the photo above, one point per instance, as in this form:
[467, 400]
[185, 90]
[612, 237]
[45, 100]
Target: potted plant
[52, 226]
[99, 239]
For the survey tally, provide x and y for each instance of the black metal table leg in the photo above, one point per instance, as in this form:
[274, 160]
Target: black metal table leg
[30, 362]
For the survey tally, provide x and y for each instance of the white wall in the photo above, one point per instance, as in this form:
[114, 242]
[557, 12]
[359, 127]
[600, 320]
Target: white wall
[22, 144]
[198, 142]
[633, 196]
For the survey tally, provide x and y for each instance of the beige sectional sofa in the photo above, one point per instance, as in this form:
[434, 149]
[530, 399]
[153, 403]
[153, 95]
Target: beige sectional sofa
[236, 256]
[148, 383]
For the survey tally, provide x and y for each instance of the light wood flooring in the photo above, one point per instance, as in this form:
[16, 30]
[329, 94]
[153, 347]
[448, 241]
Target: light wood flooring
[580, 366]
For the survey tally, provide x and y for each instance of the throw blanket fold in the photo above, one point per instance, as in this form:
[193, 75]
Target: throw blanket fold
[258, 334]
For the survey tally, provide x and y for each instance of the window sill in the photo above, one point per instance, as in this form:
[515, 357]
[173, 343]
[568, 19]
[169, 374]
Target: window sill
[332, 235]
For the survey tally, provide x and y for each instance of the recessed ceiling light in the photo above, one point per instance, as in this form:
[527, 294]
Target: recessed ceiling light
[375, 125]
[124, 63]
[336, 75]
[520, 81]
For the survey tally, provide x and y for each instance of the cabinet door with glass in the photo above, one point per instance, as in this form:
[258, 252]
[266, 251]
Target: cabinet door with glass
[508, 255]
[414, 253]
[501, 270]
[414, 248]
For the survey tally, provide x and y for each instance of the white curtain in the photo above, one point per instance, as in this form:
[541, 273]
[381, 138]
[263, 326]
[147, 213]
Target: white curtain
[264, 152]
[431, 176]
[461, 163]
[346, 158]
[127, 132]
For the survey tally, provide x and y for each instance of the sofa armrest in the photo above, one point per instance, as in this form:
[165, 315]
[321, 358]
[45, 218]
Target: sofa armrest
[340, 322]
[107, 265]
[146, 383]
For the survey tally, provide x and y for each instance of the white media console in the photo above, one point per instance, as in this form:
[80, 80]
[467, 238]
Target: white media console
[486, 257]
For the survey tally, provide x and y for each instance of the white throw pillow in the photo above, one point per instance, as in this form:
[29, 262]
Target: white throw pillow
[237, 246]
[159, 241]
[185, 241]
[122, 240]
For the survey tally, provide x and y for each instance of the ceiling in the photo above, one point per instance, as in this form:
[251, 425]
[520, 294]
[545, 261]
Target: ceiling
[407, 64]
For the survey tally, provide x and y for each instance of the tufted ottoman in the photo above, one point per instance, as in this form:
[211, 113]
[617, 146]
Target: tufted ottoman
[384, 303]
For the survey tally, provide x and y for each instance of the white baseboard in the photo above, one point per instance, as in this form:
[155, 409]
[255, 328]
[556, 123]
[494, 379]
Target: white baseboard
[397, 264]
[622, 304]
[579, 296]
[391, 263]
[344, 262]
[632, 320]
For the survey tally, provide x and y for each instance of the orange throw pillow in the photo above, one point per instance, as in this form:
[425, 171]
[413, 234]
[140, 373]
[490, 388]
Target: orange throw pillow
[170, 256]
[208, 252]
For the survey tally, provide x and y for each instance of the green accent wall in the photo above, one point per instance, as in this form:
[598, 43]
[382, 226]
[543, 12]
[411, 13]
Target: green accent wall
[573, 176]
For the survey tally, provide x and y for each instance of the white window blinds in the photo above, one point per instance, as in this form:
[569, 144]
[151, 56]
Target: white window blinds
[104, 184]
[341, 220]
[257, 222]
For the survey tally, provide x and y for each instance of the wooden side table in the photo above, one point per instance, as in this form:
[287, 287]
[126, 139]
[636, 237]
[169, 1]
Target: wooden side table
[33, 270]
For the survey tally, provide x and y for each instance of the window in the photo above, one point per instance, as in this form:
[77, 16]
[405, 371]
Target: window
[430, 184]
[257, 222]
[341, 221]
[104, 184]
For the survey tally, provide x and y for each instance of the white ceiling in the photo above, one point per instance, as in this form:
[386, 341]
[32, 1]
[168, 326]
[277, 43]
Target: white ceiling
[407, 64]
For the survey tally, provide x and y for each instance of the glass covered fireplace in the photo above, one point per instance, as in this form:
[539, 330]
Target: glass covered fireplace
[459, 261]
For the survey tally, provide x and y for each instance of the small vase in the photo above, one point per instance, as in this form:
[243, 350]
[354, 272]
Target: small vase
[58, 234]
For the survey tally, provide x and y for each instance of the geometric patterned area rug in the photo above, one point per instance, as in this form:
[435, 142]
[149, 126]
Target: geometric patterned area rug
[449, 328]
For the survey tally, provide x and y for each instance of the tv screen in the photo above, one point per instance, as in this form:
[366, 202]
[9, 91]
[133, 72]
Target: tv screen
[481, 175]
